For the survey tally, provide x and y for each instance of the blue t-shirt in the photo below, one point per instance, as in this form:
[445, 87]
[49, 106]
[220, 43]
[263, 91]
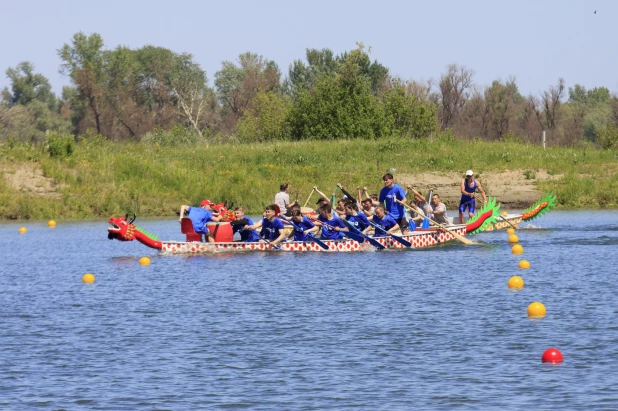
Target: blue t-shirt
[199, 217]
[388, 196]
[305, 224]
[359, 221]
[329, 233]
[386, 223]
[270, 231]
[248, 236]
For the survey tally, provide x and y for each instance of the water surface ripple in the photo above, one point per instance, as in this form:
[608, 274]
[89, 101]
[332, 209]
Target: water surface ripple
[425, 329]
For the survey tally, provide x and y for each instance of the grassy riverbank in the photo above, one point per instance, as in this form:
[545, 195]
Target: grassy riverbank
[101, 178]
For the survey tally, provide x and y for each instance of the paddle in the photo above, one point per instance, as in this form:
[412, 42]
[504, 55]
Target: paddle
[394, 237]
[311, 237]
[309, 198]
[457, 236]
[353, 236]
[508, 222]
[276, 247]
[373, 242]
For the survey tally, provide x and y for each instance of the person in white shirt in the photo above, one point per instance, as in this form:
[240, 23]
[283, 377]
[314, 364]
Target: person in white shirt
[282, 198]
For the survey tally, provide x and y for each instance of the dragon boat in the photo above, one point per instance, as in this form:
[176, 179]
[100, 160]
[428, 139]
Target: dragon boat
[504, 221]
[123, 229]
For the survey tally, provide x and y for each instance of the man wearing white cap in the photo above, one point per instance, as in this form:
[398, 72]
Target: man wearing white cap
[468, 187]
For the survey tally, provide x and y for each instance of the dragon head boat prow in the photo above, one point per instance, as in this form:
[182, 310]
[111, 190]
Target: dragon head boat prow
[484, 217]
[122, 229]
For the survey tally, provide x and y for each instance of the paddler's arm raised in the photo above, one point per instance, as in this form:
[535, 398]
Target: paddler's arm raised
[350, 196]
[322, 194]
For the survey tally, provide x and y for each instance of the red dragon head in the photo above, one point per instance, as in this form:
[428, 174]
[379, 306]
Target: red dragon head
[226, 214]
[124, 230]
[121, 229]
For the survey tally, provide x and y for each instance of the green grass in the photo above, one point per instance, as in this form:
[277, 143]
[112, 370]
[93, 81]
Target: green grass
[103, 179]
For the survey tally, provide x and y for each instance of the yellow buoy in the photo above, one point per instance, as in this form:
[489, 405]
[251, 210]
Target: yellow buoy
[523, 264]
[144, 261]
[51, 223]
[88, 278]
[536, 310]
[510, 231]
[517, 249]
[505, 213]
[22, 230]
[513, 239]
[516, 282]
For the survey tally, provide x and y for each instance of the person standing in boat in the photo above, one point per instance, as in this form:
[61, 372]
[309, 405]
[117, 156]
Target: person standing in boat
[239, 225]
[332, 226]
[468, 186]
[272, 228]
[200, 216]
[282, 198]
[388, 195]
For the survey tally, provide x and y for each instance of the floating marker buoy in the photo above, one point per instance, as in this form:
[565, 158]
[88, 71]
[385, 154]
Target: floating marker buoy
[505, 213]
[517, 249]
[144, 261]
[523, 264]
[516, 282]
[51, 223]
[22, 230]
[510, 231]
[536, 310]
[88, 278]
[513, 239]
[552, 355]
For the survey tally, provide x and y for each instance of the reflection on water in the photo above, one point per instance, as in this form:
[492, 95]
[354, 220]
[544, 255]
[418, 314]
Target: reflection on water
[427, 329]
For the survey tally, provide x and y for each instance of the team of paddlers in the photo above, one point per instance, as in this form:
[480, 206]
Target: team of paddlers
[384, 214]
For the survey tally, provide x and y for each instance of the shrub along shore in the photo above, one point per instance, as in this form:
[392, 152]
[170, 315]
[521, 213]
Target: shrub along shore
[99, 178]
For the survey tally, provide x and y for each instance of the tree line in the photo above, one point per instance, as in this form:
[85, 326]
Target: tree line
[158, 95]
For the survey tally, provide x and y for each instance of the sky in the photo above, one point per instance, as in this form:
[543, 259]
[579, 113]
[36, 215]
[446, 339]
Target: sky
[535, 41]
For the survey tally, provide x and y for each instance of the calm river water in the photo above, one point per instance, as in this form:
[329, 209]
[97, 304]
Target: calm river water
[420, 329]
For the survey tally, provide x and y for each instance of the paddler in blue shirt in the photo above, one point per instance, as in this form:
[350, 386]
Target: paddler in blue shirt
[200, 216]
[468, 186]
[304, 224]
[331, 225]
[272, 228]
[359, 220]
[385, 221]
[240, 224]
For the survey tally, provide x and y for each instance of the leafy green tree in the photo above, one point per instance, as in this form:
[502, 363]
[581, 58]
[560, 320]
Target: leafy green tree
[406, 115]
[337, 108]
[303, 76]
[83, 61]
[608, 137]
[266, 120]
[238, 84]
[28, 86]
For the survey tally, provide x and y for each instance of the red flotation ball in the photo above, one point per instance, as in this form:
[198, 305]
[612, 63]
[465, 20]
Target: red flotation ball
[552, 355]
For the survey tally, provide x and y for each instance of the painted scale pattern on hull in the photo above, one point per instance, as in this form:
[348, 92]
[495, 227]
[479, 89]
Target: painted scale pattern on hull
[419, 239]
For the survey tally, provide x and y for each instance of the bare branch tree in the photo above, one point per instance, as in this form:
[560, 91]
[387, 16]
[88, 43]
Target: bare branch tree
[454, 85]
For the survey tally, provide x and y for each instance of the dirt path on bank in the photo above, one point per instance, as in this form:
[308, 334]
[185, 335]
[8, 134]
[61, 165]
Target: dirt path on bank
[514, 189]
[29, 178]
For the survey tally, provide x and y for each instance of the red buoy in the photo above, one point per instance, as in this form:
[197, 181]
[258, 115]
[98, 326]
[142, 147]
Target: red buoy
[552, 355]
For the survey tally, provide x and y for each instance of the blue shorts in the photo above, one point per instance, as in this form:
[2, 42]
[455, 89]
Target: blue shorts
[468, 204]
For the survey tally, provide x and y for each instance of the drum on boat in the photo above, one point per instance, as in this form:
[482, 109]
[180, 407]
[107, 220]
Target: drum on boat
[308, 212]
[222, 232]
